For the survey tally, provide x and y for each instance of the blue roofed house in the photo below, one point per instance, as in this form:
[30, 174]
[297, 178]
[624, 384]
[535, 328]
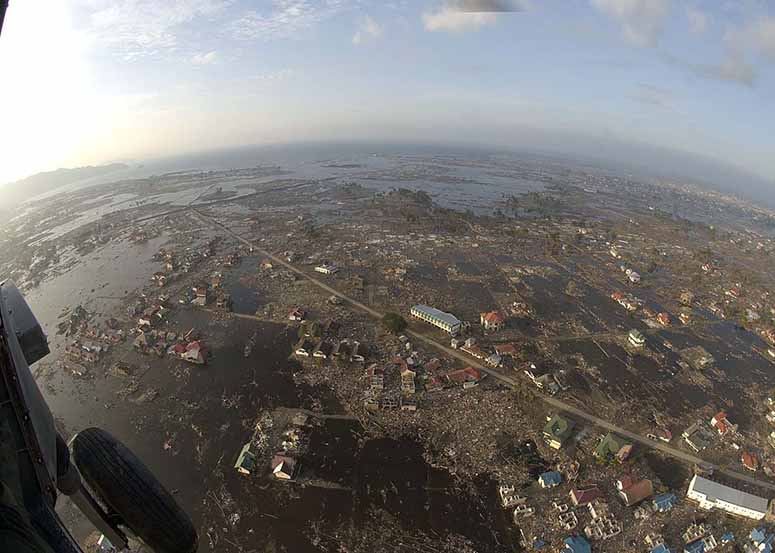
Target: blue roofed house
[708, 543]
[550, 479]
[757, 535]
[661, 548]
[761, 542]
[664, 502]
[576, 544]
[695, 547]
[727, 538]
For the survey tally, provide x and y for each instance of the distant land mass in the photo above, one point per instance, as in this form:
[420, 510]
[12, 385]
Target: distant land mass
[13, 193]
[662, 163]
[638, 160]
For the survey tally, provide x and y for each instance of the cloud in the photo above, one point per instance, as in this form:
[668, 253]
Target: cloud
[698, 20]
[733, 68]
[756, 36]
[285, 19]
[642, 21]
[652, 95]
[135, 28]
[464, 15]
[273, 76]
[492, 6]
[763, 32]
[369, 28]
[204, 59]
[447, 19]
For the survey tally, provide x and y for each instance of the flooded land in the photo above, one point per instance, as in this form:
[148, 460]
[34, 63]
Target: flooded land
[255, 330]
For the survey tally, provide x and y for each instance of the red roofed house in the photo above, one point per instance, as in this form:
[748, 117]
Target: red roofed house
[624, 482]
[492, 320]
[468, 377]
[376, 376]
[585, 496]
[434, 384]
[506, 349]
[195, 353]
[297, 314]
[618, 296]
[663, 434]
[634, 491]
[721, 423]
[750, 461]
[663, 319]
[401, 362]
[474, 351]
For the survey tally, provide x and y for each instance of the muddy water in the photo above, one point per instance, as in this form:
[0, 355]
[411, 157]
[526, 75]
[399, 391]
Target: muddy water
[645, 380]
[208, 416]
[100, 282]
[190, 434]
[244, 299]
[737, 373]
[392, 475]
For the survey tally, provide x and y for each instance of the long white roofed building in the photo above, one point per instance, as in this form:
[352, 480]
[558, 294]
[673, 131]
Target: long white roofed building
[445, 321]
[712, 495]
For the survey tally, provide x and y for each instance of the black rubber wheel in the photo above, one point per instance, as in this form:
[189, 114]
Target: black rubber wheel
[130, 490]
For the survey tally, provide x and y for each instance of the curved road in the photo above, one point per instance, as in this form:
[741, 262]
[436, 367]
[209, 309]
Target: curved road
[511, 381]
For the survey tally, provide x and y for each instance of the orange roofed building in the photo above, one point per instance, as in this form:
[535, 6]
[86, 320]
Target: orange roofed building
[492, 320]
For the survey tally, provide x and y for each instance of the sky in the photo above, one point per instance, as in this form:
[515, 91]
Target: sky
[96, 81]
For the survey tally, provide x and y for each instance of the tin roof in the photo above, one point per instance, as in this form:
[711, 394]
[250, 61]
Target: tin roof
[714, 490]
[448, 318]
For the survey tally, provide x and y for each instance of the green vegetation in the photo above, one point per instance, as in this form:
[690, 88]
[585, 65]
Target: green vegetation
[394, 322]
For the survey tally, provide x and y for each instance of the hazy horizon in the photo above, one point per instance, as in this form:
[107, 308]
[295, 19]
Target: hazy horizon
[137, 80]
[650, 163]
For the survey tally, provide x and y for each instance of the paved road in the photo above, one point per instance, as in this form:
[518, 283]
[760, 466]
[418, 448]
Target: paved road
[513, 382]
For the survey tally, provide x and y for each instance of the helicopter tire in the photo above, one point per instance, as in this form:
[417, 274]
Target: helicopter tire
[131, 491]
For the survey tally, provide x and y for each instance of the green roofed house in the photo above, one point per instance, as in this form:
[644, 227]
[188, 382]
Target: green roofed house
[557, 431]
[613, 447]
[246, 461]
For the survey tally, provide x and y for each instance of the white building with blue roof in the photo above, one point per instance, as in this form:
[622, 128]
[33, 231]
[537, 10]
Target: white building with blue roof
[441, 319]
[712, 495]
